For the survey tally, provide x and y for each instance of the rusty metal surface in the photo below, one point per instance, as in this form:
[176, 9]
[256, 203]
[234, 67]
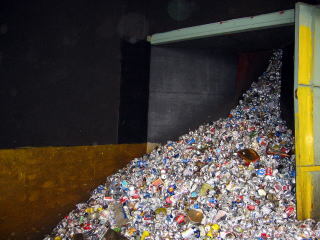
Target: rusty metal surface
[40, 185]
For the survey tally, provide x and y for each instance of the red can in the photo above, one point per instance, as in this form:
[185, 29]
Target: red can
[180, 219]
[123, 200]
[285, 187]
[251, 207]
[269, 171]
[289, 210]
[136, 196]
[87, 226]
[168, 200]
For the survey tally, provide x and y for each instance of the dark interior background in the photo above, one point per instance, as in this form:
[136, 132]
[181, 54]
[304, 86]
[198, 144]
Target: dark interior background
[61, 70]
[134, 92]
[287, 86]
[65, 66]
[188, 87]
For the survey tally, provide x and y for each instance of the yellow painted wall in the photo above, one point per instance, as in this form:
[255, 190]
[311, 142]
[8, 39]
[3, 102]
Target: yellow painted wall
[307, 57]
[39, 186]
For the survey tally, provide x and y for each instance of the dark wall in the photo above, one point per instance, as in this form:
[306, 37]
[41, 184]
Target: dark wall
[60, 69]
[188, 87]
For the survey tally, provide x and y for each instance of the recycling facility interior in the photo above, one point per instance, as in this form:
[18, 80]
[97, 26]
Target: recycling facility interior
[83, 92]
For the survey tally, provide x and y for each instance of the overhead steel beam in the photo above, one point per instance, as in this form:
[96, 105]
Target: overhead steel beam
[275, 19]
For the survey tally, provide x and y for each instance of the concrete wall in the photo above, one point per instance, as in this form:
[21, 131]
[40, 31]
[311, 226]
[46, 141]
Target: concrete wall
[188, 87]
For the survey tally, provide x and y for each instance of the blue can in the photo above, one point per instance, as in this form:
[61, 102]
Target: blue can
[196, 206]
[261, 172]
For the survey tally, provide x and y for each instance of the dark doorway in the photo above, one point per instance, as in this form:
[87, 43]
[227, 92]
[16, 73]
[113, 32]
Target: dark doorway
[134, 92]
[287, 83]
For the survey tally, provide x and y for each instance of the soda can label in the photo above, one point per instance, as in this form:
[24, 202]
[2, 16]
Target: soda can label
[261, 172]
[269, 171]
[180, 219]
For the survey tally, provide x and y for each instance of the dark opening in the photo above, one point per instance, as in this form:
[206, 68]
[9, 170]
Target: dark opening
[134, 92]
[287, 85]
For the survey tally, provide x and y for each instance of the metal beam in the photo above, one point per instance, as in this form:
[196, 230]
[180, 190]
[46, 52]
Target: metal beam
[276, 19]
[307, 110]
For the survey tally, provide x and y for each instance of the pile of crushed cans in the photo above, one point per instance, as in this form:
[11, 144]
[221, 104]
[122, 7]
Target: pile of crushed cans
[230, 179]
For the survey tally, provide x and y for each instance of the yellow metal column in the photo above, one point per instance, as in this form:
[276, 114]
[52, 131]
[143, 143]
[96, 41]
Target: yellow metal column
[307, 110]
